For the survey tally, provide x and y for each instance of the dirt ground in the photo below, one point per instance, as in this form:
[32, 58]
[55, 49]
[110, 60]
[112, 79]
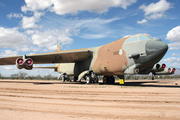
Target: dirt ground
[56, 100]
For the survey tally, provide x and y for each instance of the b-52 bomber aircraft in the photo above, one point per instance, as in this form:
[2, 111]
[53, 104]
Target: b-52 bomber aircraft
[135, 54]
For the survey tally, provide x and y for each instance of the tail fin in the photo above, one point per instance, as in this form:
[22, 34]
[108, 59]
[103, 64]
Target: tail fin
[58, 47]
[58, 50]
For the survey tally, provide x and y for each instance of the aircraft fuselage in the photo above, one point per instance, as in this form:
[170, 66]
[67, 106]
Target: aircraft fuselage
[119, 57]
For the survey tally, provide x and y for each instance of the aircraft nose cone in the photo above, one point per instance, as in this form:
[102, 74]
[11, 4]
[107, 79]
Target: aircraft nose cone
[156, 47]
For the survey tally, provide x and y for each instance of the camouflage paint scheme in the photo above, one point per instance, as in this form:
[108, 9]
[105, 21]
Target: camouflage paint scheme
[111, 59]
[136, 54]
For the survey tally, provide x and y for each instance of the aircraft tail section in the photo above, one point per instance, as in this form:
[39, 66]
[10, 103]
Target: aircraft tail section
[58, 47]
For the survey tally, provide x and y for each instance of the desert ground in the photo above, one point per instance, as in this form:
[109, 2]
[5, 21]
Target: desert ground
[56, 100]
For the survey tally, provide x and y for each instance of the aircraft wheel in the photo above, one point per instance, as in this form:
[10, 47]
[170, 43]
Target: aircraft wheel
[108, 79]
[67, 78]
[112, 79]
[88, 79]
[105, 79]
[96, 80]
[75, 79]
[63, 79]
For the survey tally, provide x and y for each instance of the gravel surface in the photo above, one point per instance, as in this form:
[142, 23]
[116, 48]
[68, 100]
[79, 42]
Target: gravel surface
[56, 100]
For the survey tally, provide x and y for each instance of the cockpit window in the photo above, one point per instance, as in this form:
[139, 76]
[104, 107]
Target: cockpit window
[135, 39]
[129, 39]
[138, 37]
[143, 37]
[150, 37]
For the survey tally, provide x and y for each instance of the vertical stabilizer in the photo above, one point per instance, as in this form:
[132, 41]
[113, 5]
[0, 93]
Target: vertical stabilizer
[58, 47]
[58, 50]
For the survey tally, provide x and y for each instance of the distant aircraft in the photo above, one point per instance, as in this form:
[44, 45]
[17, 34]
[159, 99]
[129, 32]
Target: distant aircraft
[135, 54]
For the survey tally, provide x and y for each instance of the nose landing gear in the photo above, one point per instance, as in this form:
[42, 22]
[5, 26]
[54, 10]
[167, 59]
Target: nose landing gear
[109, 79]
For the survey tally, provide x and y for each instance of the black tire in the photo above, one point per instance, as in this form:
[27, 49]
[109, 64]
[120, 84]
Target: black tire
[112, 79]
[88, 79]
[75, 79]
[97, 79]
[63, 79]
[104, 80]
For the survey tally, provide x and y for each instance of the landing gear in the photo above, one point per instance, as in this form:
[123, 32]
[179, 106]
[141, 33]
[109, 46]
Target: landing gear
[108, 79]
[91, 78]
[75, 78]
[153, 75]
[65, 77]
[88, 79]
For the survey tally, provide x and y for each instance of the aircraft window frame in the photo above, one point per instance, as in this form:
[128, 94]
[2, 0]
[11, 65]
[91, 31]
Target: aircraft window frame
[135, 39]
[139, 37]
[150, 37]
[143, 37]
[129, 39]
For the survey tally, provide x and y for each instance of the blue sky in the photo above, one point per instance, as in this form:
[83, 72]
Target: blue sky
[34, 26]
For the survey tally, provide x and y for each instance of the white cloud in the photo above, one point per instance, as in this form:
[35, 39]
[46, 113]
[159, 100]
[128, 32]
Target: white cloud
[35, 5]
[174, 46]
[63, 7]
[26, 48]
[173, 61]
[52, 48]
[94, 36]
[14, 15]
[12, 38]
[142, 21]
[155, 16]
[8, 52]
[98, 27]
[8, 68]
[156, 10]
[94, 24]
[174, 34]
[30, 22]
[29, 32]
[50, 37]
[174, 54]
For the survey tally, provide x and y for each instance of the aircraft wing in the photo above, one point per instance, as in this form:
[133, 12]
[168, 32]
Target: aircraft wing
[54, 57]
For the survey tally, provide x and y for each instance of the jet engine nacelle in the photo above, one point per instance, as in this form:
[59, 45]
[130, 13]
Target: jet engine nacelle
[24, 63]
[159, 67]
[167, 71]
[20, 63]
[173, 70]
